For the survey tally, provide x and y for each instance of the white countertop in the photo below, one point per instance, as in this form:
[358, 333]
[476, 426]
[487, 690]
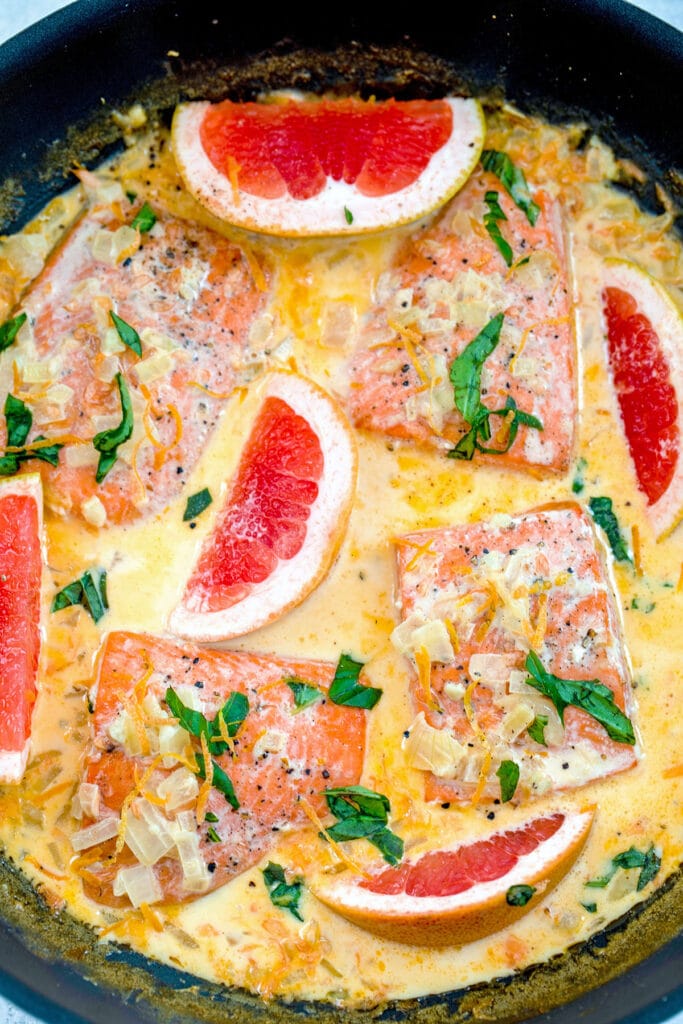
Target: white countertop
[16, 15]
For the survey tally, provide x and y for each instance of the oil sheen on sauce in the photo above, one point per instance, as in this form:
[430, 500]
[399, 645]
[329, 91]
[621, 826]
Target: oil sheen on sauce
[320, 293]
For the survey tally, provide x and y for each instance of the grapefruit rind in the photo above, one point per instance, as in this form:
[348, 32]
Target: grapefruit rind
[655, 303]
[295, 578]
[13, 762]
[438, 921]
[324, 214]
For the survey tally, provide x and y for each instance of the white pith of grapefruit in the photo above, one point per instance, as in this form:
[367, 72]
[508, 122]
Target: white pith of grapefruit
[295, 578]
[655, 303]
[325, 214]
[463, 917]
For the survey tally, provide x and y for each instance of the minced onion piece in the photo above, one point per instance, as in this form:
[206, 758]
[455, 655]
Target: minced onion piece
[196, 877]
[94, 511]
[434, 750]
[99, 832]
[89, 799]
[139, 883]
[147, 836]
[178, 789]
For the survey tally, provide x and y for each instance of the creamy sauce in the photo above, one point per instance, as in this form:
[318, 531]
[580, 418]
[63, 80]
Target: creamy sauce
[321, 292]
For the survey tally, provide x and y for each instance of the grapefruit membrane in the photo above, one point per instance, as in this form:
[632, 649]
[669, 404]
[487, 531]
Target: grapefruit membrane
[326, 167]
[21, 563]
[461, 893]
[283, 520]
[644, 331]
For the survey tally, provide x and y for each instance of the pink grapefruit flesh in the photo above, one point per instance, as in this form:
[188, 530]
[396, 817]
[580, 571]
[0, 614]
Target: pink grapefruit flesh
[20, 603]
[285, 516]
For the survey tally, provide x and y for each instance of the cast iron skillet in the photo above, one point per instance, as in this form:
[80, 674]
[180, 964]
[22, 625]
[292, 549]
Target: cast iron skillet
[596, 60]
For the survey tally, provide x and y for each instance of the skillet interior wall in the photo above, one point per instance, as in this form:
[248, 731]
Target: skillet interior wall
[565, 60]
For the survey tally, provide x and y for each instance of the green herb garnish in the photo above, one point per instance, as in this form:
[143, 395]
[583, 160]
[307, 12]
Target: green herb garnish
[144, 219]
[107, 442]
[304, 695]
[283, 893]
[603, 514]
[233, 714]
[592, 908]
[588, 694]
[519, 895]
[492, 219]
[649, 863]
[513, 181]
[196, 504]
[465, 376]
[219, 780]
[90, 591]
[363, 814]
[10, 329]
[646, 607]
[508, 773]
[537, 729]
[345, 688]
[212, 835]
[18, 421]
[128, 335]
[210, 816]
[348, 215]
[578, 483]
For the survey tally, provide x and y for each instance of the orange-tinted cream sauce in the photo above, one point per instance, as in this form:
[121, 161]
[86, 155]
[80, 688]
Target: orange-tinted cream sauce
[308, 304]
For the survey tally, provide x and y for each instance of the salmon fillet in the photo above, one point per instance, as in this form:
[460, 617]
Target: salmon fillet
[190, 295]
[533, 582]
[278, 754]
[447, 283]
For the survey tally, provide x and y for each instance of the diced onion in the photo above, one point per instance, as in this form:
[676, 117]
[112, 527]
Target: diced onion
[99, 832]
[139, 883]
[155, 366]
[433, 750]
[148, 836]
[196, 877]
[419, 633]
[178, 789]
[77, 456]
[89, 799]
[94, 511]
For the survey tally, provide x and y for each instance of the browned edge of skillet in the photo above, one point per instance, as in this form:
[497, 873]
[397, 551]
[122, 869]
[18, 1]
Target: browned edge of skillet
[161, 994]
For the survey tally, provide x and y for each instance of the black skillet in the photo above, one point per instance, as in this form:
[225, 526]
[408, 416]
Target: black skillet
[600, 61]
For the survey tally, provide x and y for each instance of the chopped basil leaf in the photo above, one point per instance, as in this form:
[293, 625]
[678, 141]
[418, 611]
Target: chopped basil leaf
[210, 816]
[233, 713]
[304, 695]
[508, 773]
[18, 418]
[603, 514]
[363, 814]
[513, 181]
[491, 220]
[219, 781]
[131, 196]
[128, 335]
[107, 441]
[578, 483]
[465, 376]
[592, 908]
[348, 215]
[588, 694]
[537, 729]
[196, 504]
[345, 688]
[10, 329]
[649, 863]
[90, 591]
[283, 893]
[144, 219]
[212, 835]
[519, 895]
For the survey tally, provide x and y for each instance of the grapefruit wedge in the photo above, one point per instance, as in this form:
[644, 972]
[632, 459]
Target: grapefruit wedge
[284, 518]
[644, 330]
[21, 564]
[326, 167]
[462, 893]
